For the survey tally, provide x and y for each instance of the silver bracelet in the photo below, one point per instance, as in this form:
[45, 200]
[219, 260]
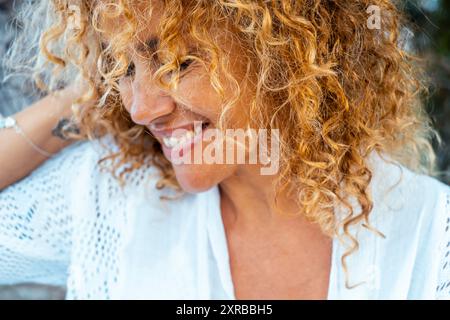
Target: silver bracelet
[11, 123]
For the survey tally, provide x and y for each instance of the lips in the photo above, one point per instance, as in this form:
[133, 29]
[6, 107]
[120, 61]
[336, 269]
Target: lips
[180, 139]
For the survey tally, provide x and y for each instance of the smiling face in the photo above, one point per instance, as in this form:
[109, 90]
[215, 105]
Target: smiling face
[178, 118]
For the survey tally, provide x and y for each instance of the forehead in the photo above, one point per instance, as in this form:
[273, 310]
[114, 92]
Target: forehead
[144, 19]
[141, 18]
[148, 15]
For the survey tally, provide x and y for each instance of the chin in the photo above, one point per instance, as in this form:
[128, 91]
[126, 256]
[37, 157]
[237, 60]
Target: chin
[200, 178]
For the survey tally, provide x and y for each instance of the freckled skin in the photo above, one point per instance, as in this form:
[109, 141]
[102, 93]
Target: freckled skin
[148, 104]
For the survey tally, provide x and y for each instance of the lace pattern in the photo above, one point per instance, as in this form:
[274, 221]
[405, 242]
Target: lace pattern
[443, 287]
[35, 227]
[68, 223]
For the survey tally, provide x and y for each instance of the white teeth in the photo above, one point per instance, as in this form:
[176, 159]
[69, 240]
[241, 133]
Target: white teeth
[172, 142]
[197, 129]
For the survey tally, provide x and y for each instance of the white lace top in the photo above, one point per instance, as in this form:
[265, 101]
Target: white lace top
[71, 224]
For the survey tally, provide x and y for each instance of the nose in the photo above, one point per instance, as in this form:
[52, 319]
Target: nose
[149, 103]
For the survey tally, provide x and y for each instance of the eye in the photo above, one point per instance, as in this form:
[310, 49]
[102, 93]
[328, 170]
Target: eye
[131, 70]
[185, 64]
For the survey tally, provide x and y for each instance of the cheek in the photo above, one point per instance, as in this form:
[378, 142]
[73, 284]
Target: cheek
[199, 92]
[126, 94]
[196, 90]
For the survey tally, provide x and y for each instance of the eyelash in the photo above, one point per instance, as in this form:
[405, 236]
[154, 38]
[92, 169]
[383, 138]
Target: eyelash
[131, 70]
[186, 64]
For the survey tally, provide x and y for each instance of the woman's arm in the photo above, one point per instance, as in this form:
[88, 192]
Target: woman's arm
[17, 156]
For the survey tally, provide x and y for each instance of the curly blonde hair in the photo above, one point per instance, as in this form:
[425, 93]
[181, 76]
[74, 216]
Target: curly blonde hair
[337, 89]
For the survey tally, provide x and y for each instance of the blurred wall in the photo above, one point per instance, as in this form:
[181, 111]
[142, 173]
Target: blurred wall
[13, 93]
[431, 23]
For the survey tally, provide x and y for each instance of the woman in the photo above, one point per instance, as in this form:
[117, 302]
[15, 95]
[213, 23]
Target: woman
[346, 213]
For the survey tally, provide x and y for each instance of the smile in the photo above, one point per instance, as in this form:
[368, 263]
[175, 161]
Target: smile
[182, 137]
[178, 141]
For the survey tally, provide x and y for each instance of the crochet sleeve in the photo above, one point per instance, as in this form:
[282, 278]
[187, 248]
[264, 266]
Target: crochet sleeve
[35, 224]
[443, 286]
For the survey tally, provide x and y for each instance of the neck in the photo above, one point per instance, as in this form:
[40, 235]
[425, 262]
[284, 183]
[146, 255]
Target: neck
[248, 198]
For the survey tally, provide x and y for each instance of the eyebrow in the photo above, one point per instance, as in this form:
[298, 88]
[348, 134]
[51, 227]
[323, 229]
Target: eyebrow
[149, 46]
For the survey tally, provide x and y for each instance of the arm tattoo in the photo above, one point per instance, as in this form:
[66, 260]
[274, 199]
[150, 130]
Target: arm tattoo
[64, 127]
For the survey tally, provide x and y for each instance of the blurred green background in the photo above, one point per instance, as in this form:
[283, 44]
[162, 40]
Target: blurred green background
[431, 27]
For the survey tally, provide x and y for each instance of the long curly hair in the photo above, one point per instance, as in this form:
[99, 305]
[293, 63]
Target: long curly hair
[337, 89]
